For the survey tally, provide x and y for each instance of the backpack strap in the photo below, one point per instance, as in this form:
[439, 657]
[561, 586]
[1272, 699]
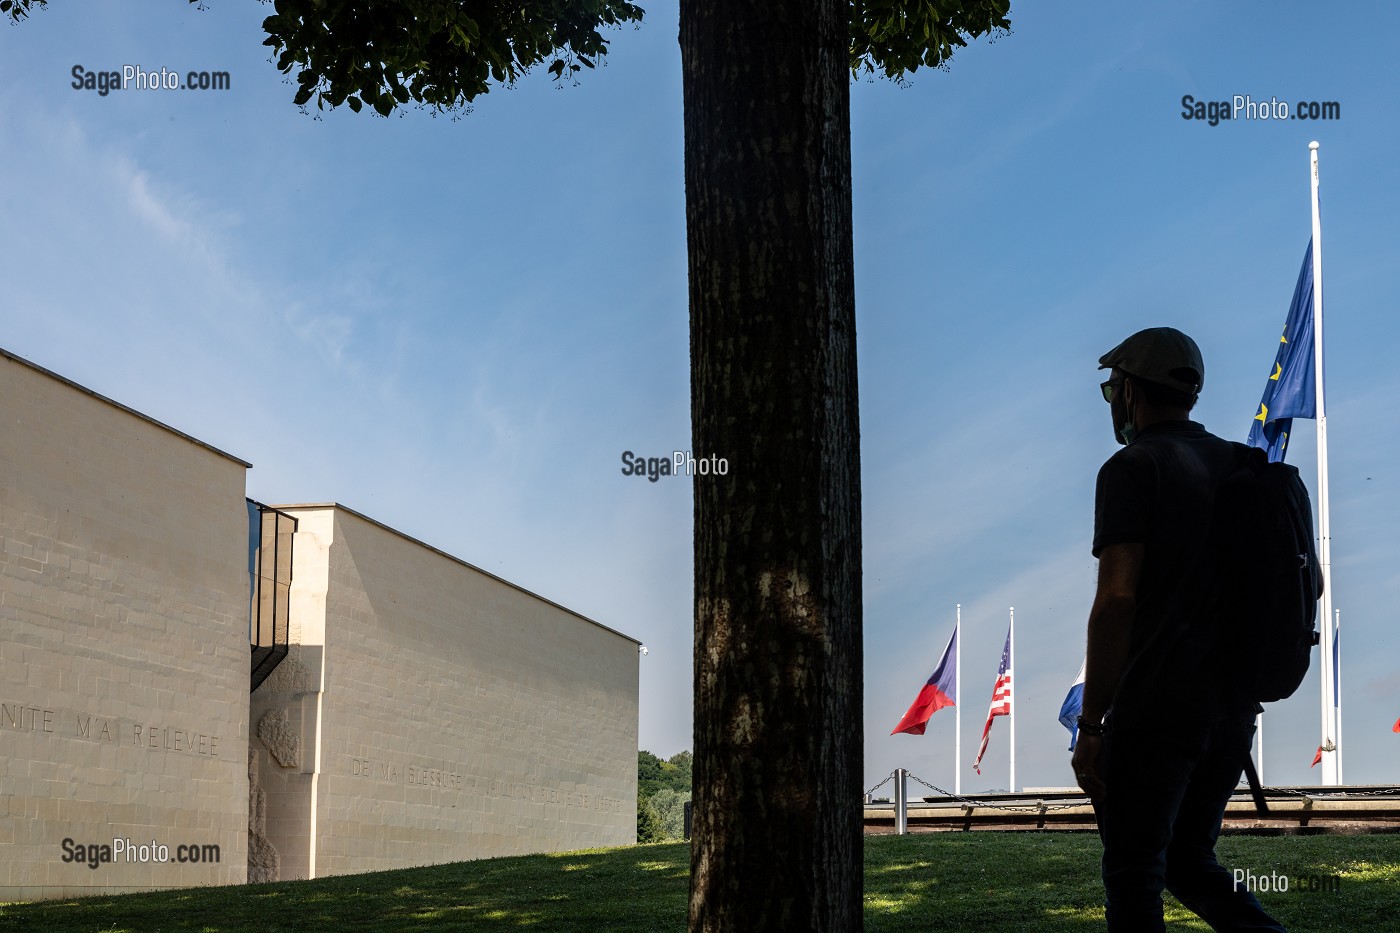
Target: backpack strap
[1256, 790]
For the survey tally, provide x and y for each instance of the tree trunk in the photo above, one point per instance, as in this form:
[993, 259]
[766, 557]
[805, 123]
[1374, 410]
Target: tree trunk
[778, 678]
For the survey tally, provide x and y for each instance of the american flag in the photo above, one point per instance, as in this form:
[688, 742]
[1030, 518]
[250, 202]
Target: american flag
[1001, 700]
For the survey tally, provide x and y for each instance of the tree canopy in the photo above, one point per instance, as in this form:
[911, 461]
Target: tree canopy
[443, 54]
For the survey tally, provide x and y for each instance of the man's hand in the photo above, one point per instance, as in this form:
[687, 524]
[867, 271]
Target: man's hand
[1086, 764]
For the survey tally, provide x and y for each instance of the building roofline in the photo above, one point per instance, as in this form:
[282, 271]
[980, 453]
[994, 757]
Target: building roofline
[311, 506]
[115, 404]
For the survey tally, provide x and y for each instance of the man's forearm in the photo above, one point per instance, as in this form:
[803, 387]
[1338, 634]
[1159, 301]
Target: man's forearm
[1110, 628]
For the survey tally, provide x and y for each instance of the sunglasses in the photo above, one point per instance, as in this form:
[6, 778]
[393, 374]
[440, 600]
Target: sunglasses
[1107, 388]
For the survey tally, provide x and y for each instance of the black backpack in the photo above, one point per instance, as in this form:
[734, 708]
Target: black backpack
[1268, 577]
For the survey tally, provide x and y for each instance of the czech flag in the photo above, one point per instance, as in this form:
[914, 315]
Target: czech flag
[940, 691]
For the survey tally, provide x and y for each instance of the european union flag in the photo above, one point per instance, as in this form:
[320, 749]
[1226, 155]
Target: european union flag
[1291, 391]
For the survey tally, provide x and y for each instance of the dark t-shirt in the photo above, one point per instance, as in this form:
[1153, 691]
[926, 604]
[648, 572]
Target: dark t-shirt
[1159, 491]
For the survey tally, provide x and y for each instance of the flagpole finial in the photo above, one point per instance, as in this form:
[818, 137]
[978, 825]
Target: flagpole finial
[1314, 145]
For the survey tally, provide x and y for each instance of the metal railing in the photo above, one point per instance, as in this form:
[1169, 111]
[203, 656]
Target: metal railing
[1374, 807]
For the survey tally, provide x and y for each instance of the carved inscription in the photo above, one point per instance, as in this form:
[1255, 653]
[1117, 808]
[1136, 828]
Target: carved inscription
[538, 793]
[445, 779]
[24, 718]
[395, 773]
[178, 740]
[69, 724]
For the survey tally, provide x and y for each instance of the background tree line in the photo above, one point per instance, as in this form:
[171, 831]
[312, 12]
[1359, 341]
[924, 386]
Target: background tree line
[663, 790]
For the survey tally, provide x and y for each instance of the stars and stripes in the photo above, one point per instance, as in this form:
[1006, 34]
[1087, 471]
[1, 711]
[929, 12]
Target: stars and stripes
[1001, 700]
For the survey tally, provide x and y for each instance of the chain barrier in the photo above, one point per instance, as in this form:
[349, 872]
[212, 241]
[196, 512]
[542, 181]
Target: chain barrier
[983, 805]
[880, 785]
[1333, 794]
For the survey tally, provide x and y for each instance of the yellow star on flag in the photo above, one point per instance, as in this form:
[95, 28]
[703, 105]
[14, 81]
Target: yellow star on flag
[1278, 371]
[1263, 413]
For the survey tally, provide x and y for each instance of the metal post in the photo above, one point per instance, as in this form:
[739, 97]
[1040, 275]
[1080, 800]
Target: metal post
[957, 707]
[1011, 696]
[1337, 687]
[901, 802]
[1259, 752]
[1330, 752]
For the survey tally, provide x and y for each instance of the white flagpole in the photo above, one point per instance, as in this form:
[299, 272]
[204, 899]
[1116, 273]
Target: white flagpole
[1337, 674]
[957, 708]
[1011, 674]
[1259, 752]
[1324, 531]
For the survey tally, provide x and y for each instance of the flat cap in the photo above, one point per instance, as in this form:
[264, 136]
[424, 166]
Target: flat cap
[1160, 354]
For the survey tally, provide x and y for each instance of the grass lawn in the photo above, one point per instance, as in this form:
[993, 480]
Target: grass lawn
[967, 882]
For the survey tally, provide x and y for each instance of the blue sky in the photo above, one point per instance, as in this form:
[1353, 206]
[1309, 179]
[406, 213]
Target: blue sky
[457, 326]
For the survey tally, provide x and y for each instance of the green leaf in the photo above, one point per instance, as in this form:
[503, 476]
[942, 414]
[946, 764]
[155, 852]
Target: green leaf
[444, 52]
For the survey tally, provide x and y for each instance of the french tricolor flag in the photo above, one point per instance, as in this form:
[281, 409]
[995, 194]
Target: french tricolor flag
[940, 691]
[1073, 706]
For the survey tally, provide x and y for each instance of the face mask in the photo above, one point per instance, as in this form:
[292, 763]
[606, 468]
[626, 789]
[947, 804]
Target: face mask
[1124, 431]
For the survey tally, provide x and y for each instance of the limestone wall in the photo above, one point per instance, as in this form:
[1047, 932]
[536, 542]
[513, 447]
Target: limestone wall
[124, 657]
[426, 711]
[437, 713]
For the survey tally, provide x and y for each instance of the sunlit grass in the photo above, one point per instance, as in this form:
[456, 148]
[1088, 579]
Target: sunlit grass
[969, 882]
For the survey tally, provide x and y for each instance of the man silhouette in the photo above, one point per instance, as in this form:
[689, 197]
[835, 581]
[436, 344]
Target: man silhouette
[1162, 737]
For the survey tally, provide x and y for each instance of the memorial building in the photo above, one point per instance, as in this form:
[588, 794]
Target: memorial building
[198, 689]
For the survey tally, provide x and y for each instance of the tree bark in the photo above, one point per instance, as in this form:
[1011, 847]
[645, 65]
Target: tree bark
[777, 839]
